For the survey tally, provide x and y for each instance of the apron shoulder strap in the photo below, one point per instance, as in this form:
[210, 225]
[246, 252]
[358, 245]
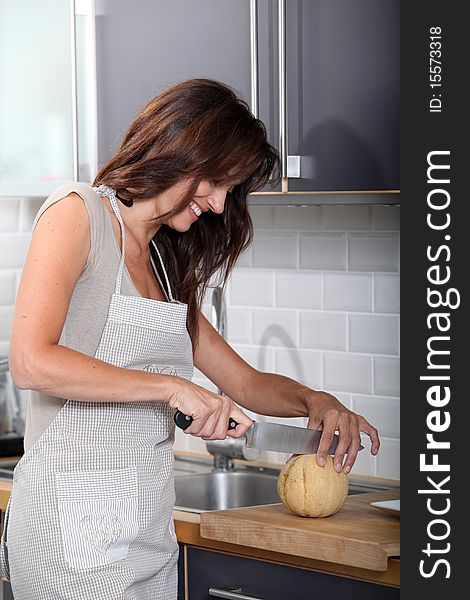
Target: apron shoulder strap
[104, 190]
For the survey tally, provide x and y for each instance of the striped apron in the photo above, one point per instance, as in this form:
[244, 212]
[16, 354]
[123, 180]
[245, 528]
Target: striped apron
[90, 515]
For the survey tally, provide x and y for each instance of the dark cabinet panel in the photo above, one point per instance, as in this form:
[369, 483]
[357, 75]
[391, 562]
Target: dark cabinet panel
[144, 46]
[268, 581]
[181, 561]
[343, 93]
[342, 65]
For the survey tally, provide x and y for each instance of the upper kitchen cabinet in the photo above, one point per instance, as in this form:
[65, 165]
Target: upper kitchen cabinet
[35, 100]
[328, 78]
[323, 75]
[44, 57]
[342, 70]
[146, 45]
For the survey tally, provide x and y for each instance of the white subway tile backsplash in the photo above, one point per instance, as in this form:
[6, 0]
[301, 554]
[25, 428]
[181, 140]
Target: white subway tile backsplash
[276, 250]
[347, 218]
[262, 217]
[298, 217]
[28, 212]
[366, 463]
[303, 366]
[246, 258]
[7, 287]
[381, 412]
[6, 318]
[347, 372]
[10, 214]
[386, 218]
[387, 293]
[13, 249]
[275, 327]
[298, 289]
[252, 287]
[323, 251]
[373, 252]
[386, 376]
[377, 334]
[347, 291]
[238, 325]
[388, 459]
[323, 330]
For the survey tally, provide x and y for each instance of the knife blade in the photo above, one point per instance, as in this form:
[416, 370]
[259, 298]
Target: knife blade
[275, 436]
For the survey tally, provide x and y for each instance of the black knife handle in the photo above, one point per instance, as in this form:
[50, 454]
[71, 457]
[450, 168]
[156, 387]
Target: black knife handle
[184, 421]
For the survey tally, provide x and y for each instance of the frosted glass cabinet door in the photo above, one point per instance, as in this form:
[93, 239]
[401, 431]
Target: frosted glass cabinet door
[36, 149]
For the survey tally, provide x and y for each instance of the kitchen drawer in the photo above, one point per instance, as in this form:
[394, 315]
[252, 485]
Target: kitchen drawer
[269, 581]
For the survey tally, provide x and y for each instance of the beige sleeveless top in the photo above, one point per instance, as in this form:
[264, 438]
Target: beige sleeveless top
[90, 300]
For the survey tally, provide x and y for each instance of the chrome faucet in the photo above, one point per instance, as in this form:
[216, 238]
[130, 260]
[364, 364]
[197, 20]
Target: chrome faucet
[220, 310]
[224, 451]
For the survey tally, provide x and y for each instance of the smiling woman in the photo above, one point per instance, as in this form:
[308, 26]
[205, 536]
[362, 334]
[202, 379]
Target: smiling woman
[194, 133]
[106, 334]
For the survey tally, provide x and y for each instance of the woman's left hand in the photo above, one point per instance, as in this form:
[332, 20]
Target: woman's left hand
[327, 413]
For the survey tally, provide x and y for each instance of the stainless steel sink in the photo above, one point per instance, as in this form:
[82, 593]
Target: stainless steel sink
[219, 490]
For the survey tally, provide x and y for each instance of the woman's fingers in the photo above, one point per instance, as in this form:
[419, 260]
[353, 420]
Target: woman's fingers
[373, 434]
[327, 413]
[211, 413]
[329, 427]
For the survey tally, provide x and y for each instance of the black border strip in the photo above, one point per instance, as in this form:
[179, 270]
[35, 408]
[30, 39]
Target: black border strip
[434, 125]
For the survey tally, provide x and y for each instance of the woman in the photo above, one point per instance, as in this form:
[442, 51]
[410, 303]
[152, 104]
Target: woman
[106, 331]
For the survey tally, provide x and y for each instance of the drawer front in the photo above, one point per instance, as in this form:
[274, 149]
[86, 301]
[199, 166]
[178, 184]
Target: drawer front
[261, 580]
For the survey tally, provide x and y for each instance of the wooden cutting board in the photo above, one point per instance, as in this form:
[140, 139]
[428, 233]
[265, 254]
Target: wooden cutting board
[359, 535]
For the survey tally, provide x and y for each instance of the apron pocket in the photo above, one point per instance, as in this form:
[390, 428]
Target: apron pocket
[98, 515]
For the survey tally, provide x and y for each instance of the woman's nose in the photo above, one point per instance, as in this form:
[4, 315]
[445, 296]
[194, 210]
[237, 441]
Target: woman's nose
[216, 200]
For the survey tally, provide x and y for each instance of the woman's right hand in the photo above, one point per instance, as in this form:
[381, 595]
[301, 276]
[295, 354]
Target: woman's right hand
[210, 412]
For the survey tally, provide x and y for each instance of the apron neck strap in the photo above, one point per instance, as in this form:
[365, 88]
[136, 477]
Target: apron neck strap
[104, 190]
[168, 286]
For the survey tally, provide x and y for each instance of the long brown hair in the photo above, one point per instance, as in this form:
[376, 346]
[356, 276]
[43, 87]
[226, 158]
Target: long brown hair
[197, 130]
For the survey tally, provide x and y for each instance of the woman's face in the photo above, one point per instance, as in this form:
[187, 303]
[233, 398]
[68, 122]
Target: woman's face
[208, 196]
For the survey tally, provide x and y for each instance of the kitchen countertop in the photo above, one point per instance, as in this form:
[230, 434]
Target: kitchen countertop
[188, 531]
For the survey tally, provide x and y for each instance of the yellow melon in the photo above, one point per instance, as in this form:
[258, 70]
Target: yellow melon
[309, 490]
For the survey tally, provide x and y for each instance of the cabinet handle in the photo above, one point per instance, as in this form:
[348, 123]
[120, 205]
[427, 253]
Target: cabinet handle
[230, 594]
[281, 6]
[254, 57]
[73, 69]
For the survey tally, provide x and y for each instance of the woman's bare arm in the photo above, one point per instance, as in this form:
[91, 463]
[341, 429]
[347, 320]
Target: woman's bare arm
[280, 396]
[57, 255]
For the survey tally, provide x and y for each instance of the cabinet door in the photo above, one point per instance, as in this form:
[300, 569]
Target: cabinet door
[343, 93]
[181, 569]
[36, 149]
[144, 46]
[269, 581]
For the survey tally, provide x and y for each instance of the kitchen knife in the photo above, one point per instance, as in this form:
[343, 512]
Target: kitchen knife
[274, 436]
